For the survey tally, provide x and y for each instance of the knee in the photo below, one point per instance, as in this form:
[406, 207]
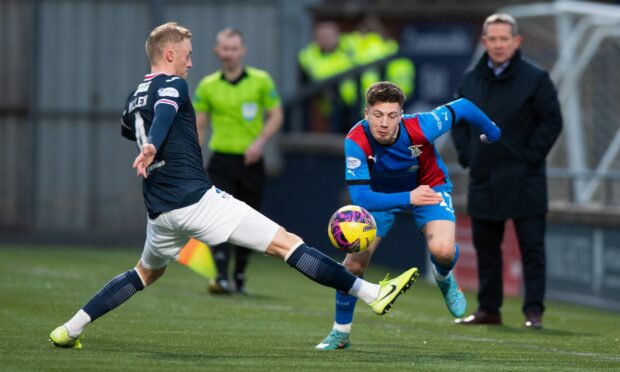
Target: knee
[282, 243]
[443, 250]
[149, 276]
[357, 263]
[355, 267]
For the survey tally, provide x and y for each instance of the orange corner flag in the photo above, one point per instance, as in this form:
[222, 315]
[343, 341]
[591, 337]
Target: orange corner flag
[197, 256]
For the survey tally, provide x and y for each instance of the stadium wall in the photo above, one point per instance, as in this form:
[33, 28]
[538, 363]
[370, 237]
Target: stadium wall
[65, 169]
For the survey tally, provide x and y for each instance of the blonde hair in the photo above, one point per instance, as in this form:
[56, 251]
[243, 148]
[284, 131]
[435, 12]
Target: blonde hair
[169, 32]
[504, 18]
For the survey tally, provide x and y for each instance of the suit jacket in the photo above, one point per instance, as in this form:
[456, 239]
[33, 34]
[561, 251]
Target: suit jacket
[507, 179]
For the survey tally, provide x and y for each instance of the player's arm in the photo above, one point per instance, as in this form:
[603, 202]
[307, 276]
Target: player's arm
[126, 130]
[443, 118]
[162, 122]
[358, 181]
[460, 138]
[168, 100]
[464, 109]
[273, 123]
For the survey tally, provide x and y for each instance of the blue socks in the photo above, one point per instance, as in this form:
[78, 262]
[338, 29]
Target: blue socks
[320, 268]
[345, 306]
[117, 291]
[443, 269]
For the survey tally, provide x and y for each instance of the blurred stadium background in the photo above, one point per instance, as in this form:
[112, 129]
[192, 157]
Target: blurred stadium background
[68, 66]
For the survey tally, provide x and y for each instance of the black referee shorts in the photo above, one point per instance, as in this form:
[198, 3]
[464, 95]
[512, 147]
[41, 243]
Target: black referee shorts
[246, 183]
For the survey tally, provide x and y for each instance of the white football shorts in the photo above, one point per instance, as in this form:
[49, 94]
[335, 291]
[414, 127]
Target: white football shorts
[217, 218]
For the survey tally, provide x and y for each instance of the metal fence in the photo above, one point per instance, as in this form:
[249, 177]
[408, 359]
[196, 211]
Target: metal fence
[579, 43]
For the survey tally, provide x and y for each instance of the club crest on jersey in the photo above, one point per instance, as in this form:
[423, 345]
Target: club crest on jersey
[168, 92]
[415, 150]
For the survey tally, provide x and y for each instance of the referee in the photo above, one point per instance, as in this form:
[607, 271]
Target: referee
[242, 106]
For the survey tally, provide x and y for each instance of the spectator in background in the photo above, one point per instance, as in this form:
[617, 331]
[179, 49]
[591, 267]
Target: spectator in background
[370, 43]
[325, 57]
[243, 107]
[507, 180]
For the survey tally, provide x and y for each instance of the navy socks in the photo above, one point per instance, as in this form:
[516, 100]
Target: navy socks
[117, 291]
[320, 268]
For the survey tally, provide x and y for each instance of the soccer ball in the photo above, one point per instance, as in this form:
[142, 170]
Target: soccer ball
[351, 229]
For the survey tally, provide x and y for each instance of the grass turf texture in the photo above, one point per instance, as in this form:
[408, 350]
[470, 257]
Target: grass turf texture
[175, 324]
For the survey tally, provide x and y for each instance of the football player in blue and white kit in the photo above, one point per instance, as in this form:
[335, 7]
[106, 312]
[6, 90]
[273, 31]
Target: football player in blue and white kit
[183, 204]
[391, 167]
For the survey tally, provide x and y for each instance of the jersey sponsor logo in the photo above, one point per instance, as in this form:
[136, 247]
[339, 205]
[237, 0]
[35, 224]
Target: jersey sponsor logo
[154, 166]
[445, 115]
[353, 163]
[415, 150]
[249, 110]
[168, 92]
[138, 102]
[143, 87]
[437, 120]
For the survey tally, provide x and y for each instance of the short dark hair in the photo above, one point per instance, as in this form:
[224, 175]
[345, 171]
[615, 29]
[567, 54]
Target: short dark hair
[383, 92]
[501, 18]
[229, 32]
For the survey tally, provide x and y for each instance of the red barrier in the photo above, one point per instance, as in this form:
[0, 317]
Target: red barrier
[466, 269]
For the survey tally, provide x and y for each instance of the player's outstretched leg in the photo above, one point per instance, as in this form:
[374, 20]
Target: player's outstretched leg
[114, 293]
[452, 294]
[392, 288]
[324, 270]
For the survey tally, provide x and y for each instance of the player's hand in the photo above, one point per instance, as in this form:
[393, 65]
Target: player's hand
[424, 195]
[142, 162]
[254, 153]
[492, 136]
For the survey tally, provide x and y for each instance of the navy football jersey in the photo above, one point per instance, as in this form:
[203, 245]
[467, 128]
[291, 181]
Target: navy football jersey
[176, 178]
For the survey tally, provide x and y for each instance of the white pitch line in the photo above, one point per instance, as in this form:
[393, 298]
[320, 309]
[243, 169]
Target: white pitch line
[605, 357]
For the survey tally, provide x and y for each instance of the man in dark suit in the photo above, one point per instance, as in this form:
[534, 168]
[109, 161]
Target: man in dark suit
[507, 179]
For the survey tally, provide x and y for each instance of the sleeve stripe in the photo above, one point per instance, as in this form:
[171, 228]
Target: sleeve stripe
[358, 182]
[453, 115]
[167, 102]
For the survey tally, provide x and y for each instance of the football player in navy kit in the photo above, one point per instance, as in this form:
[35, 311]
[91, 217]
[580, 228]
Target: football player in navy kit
[182, 203]
[391, 167]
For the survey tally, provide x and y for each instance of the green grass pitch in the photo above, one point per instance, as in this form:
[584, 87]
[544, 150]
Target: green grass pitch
[176, 325]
